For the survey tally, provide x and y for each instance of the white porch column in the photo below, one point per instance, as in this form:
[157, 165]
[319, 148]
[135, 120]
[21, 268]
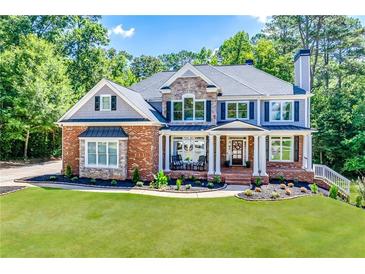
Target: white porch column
[256, 156]
[160, 153]
[167, 153]
[262, 158]
[218, 155]
[258, 109]
[309, 165]
[305, 152]
[211, 155]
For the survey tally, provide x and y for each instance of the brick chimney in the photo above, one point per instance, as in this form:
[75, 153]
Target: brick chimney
[302, 69]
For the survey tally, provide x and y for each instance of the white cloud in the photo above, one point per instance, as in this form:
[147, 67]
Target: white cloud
[261, 18]
[118, 30]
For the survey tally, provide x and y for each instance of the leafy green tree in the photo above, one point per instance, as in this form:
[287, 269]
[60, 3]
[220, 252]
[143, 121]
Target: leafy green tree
[174, 61]
[35, 91]
[144, 66]
[236, 50]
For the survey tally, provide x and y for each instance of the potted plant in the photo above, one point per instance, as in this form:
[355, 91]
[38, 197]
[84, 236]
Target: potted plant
[226, 163]
[248, 164]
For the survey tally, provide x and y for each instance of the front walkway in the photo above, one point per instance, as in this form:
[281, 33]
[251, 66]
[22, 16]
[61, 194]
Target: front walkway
[230, 190]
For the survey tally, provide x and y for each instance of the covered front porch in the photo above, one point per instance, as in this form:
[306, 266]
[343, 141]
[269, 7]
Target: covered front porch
[235, 153]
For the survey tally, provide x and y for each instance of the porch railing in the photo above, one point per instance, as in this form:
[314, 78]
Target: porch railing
[332, 177]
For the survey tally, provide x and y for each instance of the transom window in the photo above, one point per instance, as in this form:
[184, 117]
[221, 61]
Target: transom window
[281, 149]
[237, 110]
[188, 109]
[190, 148]
[102, 154]
[281, 110]
[105, 102]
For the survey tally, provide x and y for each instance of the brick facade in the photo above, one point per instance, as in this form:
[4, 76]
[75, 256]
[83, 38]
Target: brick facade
[191, 85]
[71, 147]
[290, 165]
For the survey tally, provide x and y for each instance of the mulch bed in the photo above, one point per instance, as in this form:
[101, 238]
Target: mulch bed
[128, 184]
[267, 190]
[9, 189]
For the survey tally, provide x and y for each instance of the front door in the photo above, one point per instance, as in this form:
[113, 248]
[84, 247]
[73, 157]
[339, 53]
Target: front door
[237, 152]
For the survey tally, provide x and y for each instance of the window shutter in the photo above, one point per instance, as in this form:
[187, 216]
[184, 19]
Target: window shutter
[267, 111]
[296, 111]
[267, 148]
[209, 111]
[97, 103]
[168, 111]
[223, 111]
[114, 102]
[296, 148]
[252, 110]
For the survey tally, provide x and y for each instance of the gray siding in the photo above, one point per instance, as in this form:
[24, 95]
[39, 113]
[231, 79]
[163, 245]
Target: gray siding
[252, 121]
[124, 110]
[301, 115]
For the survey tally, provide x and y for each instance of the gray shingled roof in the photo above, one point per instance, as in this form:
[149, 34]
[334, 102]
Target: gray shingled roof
[233, 80]
[187, 128]
[86, 120]
[116, 132]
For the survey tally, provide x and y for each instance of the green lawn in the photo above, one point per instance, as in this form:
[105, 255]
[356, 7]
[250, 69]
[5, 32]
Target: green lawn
[61, 223]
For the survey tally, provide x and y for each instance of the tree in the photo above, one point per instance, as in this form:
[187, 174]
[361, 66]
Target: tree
[144, 66]
[174, 61]
[35, 90]
[236, 50]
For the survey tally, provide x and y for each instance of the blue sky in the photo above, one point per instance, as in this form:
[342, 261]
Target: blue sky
[154, 35]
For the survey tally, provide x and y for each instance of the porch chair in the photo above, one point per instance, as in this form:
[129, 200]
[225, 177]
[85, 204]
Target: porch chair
[200, 164]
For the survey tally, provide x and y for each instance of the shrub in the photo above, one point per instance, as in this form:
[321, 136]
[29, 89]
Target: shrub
[281, 178]
[333, 192]
[258, 182]
[93, 181]
[217, 179]
[188, 186]
[52, 178]
[68, 171]
[248, 192]
[75, 178]
[275, 195]
[361, 187]
[210, 185]
[314, 188]
[182, 178]
[282, 186]
[248, 164]
[198, 183]
[178, 184]
[303, 189]
[359, 201]
[135, 176]
[160, 180]
[193, 178]
[257, 189]
[290, 185]
[296, 180]
[139, 184]
[288, 191]
[113, 182]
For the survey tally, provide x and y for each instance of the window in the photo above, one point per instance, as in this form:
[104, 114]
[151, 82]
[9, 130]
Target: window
[104, 154]
[190, 148]
[281, 111]
[188, 109]
[237, 110]
[105, 102]
[281, 149]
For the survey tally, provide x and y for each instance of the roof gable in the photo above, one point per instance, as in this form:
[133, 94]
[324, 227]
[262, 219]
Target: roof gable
[237, 125]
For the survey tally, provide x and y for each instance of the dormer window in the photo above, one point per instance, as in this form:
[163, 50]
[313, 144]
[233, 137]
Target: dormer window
[105, 102]
[281, 111]
[188, 109]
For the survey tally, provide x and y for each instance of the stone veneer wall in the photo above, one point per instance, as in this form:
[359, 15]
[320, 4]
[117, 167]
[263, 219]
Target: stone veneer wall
[192, 85]
[119, 173]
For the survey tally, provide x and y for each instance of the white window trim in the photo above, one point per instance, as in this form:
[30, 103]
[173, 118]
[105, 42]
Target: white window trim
[191, 138]
[99, 140]
[101, 102]
[237, 102]
[281, 149]
[281, 108]
[183, 107]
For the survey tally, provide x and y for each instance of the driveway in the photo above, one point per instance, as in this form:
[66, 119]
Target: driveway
[7, 175]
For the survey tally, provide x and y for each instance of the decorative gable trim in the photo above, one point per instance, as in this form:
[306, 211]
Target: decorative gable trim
[88, 96]
[186, 71]
[237, 124]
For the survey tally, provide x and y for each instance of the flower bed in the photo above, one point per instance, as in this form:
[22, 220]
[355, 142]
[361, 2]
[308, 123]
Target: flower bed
[272, 192]
[188, 186]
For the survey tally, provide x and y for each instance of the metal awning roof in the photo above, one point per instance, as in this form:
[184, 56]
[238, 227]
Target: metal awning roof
[103, 132]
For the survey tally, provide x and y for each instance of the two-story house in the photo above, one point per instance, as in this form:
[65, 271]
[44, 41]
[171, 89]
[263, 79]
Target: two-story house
[235, 121]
